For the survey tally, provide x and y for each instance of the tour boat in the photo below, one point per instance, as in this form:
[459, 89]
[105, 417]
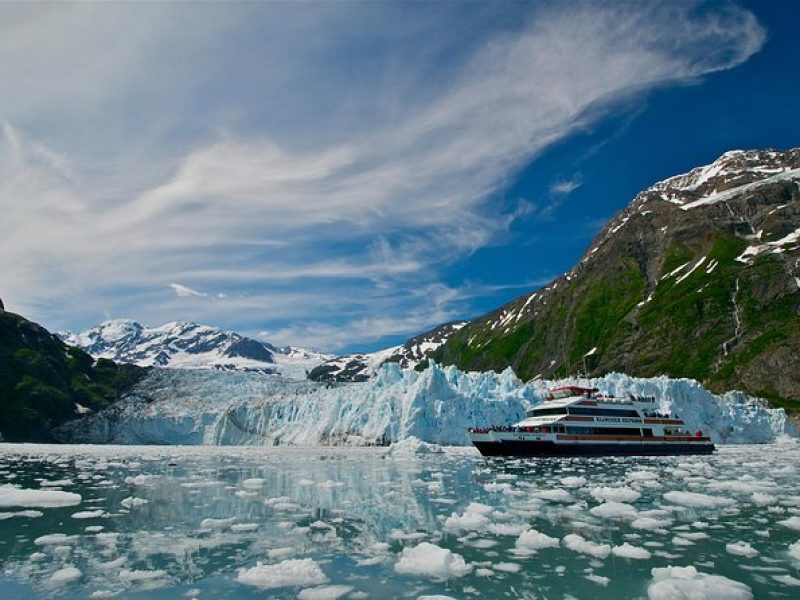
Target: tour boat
[579, 421]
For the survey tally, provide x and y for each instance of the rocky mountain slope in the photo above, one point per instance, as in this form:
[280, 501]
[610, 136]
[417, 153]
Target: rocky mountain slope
[698, 277]
[361, 367]
[44, 382]
[192, 346]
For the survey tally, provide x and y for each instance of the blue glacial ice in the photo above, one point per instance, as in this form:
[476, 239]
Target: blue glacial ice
[436, 405]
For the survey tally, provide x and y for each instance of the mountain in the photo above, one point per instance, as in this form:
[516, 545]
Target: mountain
[698, 277]
[361, 367]
[191, 346]
[44, 382]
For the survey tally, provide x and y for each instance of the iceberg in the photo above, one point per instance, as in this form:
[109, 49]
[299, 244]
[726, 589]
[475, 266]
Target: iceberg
[435, 406]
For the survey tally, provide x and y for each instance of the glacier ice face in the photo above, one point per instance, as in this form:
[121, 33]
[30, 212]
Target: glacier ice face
[436, 406]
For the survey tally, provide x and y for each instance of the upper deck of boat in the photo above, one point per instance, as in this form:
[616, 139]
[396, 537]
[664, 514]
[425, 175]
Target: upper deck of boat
[572, 395]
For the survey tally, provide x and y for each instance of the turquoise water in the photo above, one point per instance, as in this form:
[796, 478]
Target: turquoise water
[166, 522]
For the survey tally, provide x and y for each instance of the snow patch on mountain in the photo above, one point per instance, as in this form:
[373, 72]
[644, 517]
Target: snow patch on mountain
[362, 367]
[436, 406]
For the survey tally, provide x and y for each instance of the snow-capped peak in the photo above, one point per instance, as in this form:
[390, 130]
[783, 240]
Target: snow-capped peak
[732, 173]
[183, 344]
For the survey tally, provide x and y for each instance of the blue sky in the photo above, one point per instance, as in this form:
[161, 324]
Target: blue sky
[344, 175]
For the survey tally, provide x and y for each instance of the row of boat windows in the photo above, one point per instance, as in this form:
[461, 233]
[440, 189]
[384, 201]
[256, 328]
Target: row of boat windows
[582, 410]
[646, 432]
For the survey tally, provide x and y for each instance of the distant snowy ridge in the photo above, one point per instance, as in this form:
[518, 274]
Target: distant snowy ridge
[362, 367]
[436, 405]
[188, 345]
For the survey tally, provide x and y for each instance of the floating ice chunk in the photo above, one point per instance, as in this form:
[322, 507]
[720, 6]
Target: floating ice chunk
[57, 483]
[557, 495]
[598, 579]
[614, 510]
[54, 539]
[29, 514]
[678, 583]
[741, 549]
[626, 550]
[573, 481]
[253, 483]
[791, 523]
[430, 560]
[473, 519]
[787, 580]
[281, 553]
[642, 476]
[506, 528]
[141, 479]
[330, 484]
[682, 541]
[302, 572]
[132, 501]
[217, 523]
[617, 494]
[413, 445]
[576, 543]
[508, 567]
[498, 487]
[14, 496]
[325, 592]
[484, 572]
[244, 527]
[66, 575]
[535, 540]
[763, 499]
[88, 514]
[697, 500]
[650, 523]
[141, 574]
[794, 550]
[435, 597]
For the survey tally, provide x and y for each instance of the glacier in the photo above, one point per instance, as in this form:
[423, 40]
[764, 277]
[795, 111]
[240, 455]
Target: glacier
[437, 405]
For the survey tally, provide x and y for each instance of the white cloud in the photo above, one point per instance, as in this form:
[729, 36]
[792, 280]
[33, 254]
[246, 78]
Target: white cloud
[215, 188]
[562, 187]
[186, 292]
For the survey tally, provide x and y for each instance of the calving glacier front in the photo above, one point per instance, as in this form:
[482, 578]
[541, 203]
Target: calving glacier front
[436, 405]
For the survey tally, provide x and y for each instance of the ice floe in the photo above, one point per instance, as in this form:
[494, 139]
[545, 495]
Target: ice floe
[300, 572]
[430, 560]
[577, 543]
[11, 496]
[678, 583]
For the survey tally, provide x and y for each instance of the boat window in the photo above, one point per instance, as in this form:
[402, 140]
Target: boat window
[604, 431]
[604, 412]
[541, 412]
[619, 431]
[647, 432]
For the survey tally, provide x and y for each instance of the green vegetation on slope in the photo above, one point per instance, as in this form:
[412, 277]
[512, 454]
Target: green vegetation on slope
[682, 325]
[42, 379]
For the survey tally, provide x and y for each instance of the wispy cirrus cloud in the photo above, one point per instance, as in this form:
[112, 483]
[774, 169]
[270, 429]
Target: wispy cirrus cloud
[298, 196]
[186, 292]
[562, 187]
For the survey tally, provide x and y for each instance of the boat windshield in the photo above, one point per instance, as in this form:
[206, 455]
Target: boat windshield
[570, 392]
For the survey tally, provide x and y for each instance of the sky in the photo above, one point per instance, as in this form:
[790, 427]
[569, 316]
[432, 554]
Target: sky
[343, 175]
